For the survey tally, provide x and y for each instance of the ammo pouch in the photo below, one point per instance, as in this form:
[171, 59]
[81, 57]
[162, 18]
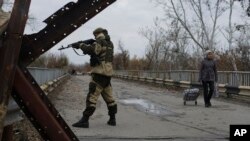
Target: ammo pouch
[94, 61]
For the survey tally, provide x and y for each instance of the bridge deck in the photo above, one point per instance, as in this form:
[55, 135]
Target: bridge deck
[148, 113]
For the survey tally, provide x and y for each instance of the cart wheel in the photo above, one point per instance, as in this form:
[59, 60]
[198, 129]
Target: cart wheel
[195, 102]
[184, 102]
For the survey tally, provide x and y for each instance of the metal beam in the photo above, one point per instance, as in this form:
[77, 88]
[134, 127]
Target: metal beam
[27, 92]
[8, 133]
[9, 53]
[37, 107]
[59, 25]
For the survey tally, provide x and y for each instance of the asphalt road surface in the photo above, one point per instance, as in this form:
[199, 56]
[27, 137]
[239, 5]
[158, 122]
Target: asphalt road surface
[148, 113]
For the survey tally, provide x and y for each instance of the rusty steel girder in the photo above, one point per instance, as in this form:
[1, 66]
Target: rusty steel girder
[9, 54]
[38, 109]
[8, 133]
[27, 93]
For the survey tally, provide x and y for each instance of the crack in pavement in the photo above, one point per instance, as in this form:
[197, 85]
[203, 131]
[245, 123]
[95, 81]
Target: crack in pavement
[152, 138]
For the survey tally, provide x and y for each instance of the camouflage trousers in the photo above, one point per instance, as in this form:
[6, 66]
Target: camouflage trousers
[100, 85]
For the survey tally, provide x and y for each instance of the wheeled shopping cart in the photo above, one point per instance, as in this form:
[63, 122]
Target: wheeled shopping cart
[191, 95]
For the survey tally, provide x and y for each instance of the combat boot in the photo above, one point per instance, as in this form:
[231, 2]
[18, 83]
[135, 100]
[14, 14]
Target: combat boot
[112, 112]
[82, 123]
[112, 120]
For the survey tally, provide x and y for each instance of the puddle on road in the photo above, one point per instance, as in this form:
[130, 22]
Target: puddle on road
[149, 107]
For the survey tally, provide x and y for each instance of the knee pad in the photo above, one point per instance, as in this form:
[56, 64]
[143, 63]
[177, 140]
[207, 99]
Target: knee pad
[92, 87]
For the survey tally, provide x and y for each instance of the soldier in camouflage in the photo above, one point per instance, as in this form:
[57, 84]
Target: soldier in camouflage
[101, 53]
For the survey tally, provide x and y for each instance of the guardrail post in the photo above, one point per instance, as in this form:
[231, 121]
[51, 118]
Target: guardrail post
[193, 77]
[179, 76]
[227, 77]
[169, 75]
[164, 76]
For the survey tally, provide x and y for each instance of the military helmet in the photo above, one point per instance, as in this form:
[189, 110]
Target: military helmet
[98, 30]
[208, 51]
[105, 31]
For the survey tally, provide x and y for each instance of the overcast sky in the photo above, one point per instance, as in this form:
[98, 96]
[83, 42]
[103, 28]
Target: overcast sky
[123, 19]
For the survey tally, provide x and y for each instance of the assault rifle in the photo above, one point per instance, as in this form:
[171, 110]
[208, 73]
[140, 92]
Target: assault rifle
[76, 44]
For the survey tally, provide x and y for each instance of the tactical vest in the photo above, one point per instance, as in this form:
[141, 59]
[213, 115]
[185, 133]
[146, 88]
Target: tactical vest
[106, 56]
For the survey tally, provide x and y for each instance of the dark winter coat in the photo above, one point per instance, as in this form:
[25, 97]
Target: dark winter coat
[208, 70]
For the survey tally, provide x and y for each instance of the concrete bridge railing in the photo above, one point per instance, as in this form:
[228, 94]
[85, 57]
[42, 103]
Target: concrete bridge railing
[44, 75]
[229, 82]
[224, 77]
[46, 78]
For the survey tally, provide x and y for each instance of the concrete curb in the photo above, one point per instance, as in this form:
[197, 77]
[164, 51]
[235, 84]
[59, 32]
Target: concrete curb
[14, 113]
[226, 89]
[51, 85]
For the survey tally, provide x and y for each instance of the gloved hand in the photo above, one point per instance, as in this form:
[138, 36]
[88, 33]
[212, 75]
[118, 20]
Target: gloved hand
[87, 49]
[82, 45]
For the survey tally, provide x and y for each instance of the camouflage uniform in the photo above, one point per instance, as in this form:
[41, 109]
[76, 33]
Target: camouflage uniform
[101, 53]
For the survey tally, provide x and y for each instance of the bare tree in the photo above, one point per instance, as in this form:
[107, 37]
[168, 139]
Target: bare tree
[230, 39]
[121, 59]
[245, 4]
[195, 20]
[6, 4]
[243, 48]
[51, 60]
[229, 35]
[156, 44]
[32, 20]
[178, 39]
[124, 55]
[167, 47]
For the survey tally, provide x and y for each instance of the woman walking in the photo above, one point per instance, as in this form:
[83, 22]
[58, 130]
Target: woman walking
[208, 76]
